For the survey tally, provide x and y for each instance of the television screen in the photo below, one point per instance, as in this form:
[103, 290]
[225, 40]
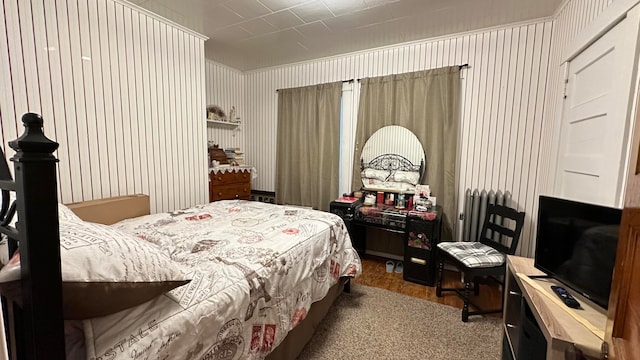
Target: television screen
[576, 244]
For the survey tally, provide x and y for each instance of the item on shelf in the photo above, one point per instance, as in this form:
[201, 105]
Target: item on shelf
[234, 156]
[217, 154]
[422, 203]
[390, 199]
[232, 114]
[423, 190]
[215, 112]
[369, 199]
[239, 158]
[380, 198]
[400, 204]
[346, 199]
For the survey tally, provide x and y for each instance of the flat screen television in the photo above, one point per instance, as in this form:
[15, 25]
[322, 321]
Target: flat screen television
[576, 244]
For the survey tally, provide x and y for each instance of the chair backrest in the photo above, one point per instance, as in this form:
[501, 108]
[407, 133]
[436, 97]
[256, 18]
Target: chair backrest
[496, 231]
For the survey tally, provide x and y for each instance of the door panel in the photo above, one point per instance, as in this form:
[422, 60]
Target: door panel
[594, 130]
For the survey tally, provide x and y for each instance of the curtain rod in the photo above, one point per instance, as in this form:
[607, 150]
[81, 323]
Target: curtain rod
[344, 81]
[358, 80]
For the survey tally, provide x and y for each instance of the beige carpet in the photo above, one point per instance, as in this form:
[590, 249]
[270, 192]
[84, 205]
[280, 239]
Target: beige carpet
[371, 323]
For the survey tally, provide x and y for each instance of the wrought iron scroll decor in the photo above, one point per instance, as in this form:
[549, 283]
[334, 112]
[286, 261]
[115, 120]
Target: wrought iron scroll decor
[391, 162]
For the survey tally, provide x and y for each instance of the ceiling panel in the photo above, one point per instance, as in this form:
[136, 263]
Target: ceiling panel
[219, 17]
[312, 11]
[247, 9]
[283, 20]
[378, 14]
[258, 26]
[232, 34]
[341, 7]
[313, 30]
[251, 34]
[277, 5]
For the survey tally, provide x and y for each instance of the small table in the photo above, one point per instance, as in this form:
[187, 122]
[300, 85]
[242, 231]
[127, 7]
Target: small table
[420, 231]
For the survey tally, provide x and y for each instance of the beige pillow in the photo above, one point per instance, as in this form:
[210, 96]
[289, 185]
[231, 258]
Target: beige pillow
[105, 270]
[411, 177]
[369, 173]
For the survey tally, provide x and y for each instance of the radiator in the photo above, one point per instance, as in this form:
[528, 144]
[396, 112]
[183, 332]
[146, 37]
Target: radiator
[475, 208]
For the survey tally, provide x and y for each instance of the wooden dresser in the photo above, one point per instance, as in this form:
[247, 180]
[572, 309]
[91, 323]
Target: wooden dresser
[230, 183]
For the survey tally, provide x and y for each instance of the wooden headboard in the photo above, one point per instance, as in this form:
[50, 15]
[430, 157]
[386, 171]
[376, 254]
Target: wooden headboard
[111, 210]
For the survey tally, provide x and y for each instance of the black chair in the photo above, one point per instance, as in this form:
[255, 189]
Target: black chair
[485, 258]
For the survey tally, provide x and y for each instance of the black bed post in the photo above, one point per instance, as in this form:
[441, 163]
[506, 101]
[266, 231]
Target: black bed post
[37, 204]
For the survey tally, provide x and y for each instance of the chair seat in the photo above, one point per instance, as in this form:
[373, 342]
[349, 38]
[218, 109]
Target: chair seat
[473, 254]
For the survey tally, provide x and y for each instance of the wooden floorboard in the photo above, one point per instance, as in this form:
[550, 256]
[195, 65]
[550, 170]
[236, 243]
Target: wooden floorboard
[374, 274]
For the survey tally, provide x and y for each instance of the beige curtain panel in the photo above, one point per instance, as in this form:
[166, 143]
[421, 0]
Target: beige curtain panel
[307, 156]
[427, 103]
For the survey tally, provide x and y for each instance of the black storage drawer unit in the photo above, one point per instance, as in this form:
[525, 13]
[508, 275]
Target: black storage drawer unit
[346, 211]
[422, 237]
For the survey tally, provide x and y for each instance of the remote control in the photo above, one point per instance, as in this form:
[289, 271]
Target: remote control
[568, 300]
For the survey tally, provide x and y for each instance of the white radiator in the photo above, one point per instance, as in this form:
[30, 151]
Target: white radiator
[475, 208]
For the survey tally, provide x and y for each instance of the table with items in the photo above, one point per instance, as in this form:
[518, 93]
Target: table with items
[420, 231]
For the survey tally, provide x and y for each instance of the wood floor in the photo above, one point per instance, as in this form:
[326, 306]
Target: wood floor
[374, 274]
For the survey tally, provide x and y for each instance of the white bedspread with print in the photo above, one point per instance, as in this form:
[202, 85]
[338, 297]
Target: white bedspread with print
[256, 270]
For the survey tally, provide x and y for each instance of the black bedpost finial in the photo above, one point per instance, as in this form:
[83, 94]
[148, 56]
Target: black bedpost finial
[32, 143]
[39, 241]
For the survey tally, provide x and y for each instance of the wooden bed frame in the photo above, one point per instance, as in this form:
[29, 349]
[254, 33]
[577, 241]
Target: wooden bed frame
[32, 310]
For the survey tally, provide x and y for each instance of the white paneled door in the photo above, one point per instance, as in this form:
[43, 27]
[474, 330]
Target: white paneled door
[595, 126]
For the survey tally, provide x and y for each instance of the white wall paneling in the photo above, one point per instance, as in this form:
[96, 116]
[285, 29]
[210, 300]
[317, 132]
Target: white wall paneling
[508, 103]
[121, 90]
[225, 88]
[502, 100]
[569, 20]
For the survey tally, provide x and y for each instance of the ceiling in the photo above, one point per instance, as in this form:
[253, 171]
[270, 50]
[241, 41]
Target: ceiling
[253, 34]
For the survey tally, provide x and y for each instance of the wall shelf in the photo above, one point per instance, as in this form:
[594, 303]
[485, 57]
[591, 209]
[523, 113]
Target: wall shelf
[223, 124]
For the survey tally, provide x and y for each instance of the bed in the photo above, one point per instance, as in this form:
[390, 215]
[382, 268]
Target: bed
[247, 279]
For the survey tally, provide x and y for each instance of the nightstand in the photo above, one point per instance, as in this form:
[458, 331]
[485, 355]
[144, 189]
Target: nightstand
[347, 212]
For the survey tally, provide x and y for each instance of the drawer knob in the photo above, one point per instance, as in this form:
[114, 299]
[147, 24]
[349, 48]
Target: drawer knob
[237, 196]
[418, 261]
[219, 178]
[219, 193]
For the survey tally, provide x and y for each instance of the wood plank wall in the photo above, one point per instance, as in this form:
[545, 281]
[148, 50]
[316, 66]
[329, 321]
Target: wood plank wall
[569, 20]
[508, 109]
[502, 101]
[121, 90]
[225, 88]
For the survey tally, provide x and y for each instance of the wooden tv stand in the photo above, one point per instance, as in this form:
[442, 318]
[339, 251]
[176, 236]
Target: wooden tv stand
[562, 331]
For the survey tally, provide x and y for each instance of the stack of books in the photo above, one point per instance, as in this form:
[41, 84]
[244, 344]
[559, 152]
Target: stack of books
[234, 156]
[239, 157]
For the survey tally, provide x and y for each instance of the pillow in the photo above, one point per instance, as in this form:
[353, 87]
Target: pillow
[105, 270]
[411, 177]
[369, 173]
[64, 213]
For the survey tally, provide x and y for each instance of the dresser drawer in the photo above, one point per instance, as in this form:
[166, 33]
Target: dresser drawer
[229, 192]
[230, 177]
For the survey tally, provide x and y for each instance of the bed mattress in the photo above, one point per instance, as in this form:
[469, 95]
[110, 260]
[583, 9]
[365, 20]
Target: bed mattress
[256, 269]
